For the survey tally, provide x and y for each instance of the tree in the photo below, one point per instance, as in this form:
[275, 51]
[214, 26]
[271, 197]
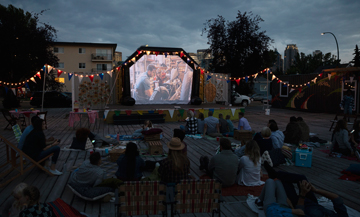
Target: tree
[25, 44]
[238, 47]
[356, 59]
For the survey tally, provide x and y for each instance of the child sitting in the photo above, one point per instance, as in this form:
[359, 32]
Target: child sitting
[147, 126]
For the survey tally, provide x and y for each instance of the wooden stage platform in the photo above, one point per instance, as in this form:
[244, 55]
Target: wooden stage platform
[324, 172]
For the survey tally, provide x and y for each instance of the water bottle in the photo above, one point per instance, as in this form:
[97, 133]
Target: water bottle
[118, 137]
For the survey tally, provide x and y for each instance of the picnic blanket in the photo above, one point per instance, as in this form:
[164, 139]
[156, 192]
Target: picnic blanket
[125, 137]
[349, 176]
[196, 136]
[327, 151]
[322, 201]
[240, 190]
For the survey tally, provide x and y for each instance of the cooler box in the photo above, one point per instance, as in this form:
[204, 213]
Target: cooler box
[303, 157]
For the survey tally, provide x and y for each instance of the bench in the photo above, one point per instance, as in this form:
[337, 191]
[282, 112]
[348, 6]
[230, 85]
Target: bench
[12, 154]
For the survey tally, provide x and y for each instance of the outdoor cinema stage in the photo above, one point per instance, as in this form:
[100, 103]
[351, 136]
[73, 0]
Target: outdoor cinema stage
[171, 112]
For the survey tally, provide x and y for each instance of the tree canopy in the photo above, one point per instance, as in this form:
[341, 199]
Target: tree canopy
[306, 64]
[356, 59]
[238, 47]
[25, 44]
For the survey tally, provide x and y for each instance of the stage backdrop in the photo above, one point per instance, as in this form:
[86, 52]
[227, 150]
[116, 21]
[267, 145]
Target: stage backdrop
[160, 79]
[214, 87]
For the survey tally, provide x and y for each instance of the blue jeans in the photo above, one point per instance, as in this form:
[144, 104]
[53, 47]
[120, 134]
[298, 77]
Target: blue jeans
[53, 149]
[138, 133]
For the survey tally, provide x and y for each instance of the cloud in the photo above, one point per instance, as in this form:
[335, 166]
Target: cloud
[131, 24]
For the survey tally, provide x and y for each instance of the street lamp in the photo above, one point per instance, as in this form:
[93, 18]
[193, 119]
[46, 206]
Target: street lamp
[337, 46]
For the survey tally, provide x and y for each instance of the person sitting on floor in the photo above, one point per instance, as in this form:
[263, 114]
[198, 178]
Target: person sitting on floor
[304, 128]
[176, 166]
[292, 132]
[263, 140]
[277, 136]
[250, 166]
[311, 206]
[130, 164]
[35, 146]
[30, 198]
[181, 135]
[191, 124]
[223, 166]
[147, 126]
[83, 134]
[12, 206]
[200, 123]
[211, 126]
[27, 130]
[243, 122]
[223, 125]
[340, 141]
[230, 125]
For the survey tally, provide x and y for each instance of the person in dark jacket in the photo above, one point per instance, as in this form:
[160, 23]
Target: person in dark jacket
[292, 132]
[130, 164]
[35, 146]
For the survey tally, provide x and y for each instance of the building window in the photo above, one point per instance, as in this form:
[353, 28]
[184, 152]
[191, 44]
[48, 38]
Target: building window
[81, 65]
[284, 90]
[58, 50]
[81, 50]
[263, 87]
[60, 65]
[103, 67]
[60, 80]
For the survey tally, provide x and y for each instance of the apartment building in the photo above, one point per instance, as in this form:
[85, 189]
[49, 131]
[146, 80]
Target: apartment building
[89, 58]
[289, 56]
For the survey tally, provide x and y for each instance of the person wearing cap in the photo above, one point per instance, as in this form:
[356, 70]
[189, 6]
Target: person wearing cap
[35, 146]
[224, 166]
[176, 166]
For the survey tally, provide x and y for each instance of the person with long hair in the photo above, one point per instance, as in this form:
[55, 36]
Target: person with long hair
[36, 148]
[30, 199]
[176, 166]
[250, 166]
[130, 164]
[200, 123]
[340, 141]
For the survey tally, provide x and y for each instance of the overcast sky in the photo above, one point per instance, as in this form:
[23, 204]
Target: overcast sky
[170, 23]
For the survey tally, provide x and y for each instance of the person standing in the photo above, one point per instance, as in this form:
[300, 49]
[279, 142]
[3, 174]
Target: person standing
[347, 103]
[243, 122]
[143, 85]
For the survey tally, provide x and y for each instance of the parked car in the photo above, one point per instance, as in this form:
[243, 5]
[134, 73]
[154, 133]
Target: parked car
[51, 99]
[258, 96]
[240, 99]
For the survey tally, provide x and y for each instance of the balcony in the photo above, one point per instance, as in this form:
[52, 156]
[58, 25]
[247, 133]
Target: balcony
[101, 57]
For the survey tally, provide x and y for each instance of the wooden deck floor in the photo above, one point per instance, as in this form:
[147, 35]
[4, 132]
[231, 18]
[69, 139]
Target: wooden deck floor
[324, 172]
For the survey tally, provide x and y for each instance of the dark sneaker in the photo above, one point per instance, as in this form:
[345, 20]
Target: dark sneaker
[259, 204]
[204, 162]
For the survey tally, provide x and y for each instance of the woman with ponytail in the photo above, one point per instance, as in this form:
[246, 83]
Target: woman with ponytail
[130, 164]
[30, 199]
[250, 166]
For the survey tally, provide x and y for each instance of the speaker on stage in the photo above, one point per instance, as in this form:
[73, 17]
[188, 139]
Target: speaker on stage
[196, 101]
[128, 100]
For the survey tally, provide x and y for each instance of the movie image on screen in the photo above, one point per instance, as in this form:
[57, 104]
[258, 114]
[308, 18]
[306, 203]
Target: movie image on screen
[161, 80]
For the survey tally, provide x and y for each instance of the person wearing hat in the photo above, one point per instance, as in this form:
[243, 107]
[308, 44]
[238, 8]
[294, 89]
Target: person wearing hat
[176, 166]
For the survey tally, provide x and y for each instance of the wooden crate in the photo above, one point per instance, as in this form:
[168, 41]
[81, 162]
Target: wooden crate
[243, 136]
[154, 137]
[115, 154]
[155, 148]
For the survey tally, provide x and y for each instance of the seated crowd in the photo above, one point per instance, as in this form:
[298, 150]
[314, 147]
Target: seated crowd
[229, 167]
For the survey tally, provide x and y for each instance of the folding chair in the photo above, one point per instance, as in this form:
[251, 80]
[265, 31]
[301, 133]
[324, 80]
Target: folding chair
[11, 119]
[42, 115]
[11, 159]
[140, 198]
[197, 196]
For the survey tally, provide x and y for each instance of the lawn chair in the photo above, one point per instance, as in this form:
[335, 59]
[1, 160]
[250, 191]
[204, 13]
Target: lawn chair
[140, 198]
[197, 196]
[42, 115]
[11, 119]
[11, 158]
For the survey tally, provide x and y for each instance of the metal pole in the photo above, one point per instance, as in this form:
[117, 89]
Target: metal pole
[267, 88]
[43, 92]
[337, 45]
[107, 102]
